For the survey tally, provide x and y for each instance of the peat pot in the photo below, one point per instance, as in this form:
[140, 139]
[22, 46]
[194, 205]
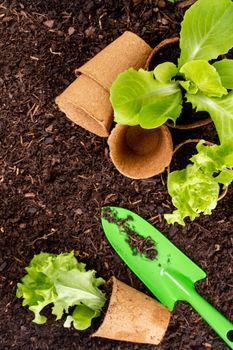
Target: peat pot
[133, 316]
[140, 153]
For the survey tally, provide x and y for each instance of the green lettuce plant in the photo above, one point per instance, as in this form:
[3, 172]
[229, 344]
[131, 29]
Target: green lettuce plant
[201, 77]
[60, 280]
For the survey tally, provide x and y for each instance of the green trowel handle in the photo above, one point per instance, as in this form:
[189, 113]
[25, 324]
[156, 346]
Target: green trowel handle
[218, 322]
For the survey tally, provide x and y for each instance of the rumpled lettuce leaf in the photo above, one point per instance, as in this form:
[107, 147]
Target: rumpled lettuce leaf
[192, 192]
[204, 77]
[138, 98]
[225, 71]
[195, 189]
[62, 281]
[213, 158]
[206, 31]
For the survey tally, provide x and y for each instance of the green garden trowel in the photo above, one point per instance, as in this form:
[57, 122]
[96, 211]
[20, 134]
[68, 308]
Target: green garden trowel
[170, 276]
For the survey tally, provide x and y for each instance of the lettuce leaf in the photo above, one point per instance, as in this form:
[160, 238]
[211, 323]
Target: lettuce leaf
[164, 72]
[204, 77]
[206, 31]
[81, 317]
[220, 110]
[138, 98]
[189, 86]
[214, 158]
[225, 71]
[62, 281]
[225, 177]
[168, 107]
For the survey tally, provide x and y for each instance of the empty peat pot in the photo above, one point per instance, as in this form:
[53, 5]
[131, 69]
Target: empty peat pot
[86, 100]
[140, 153]
[133, 316]
[202, 118]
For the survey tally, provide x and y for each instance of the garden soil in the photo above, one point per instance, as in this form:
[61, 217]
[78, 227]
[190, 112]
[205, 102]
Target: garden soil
[55, 176]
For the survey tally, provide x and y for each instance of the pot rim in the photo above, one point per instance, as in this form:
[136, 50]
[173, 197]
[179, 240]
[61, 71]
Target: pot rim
[147, 170]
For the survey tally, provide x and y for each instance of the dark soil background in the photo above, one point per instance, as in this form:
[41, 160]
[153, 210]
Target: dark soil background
[55, 176]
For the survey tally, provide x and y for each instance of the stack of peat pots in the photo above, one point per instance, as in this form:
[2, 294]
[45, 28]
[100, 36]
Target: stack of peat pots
[86, 100]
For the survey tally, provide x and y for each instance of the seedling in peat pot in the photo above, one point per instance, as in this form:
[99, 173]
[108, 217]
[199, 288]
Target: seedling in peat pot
[201, 77]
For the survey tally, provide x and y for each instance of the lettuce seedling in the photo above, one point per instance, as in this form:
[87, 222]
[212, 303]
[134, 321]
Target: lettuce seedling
[200, 77]
[60, 280]
[151, 98]
[195, 189]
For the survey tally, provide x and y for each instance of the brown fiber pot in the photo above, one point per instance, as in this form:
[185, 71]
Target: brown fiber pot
[178, 125]
[140, 153]
[86, 100]
[133, 316]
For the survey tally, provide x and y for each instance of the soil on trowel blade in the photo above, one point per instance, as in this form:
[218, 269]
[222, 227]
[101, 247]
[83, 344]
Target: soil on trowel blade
[140, 245]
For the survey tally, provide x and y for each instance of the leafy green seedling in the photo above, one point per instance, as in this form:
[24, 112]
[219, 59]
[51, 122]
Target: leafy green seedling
[62, 281]
[149, 99]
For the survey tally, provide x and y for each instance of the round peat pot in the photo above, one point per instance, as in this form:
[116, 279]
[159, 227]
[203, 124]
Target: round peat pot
[180, 148]
[140, 153]
[203, 117]
[133, 316]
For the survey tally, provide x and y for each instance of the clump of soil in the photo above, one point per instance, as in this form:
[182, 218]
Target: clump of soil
[144, 246]
[141, 245]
